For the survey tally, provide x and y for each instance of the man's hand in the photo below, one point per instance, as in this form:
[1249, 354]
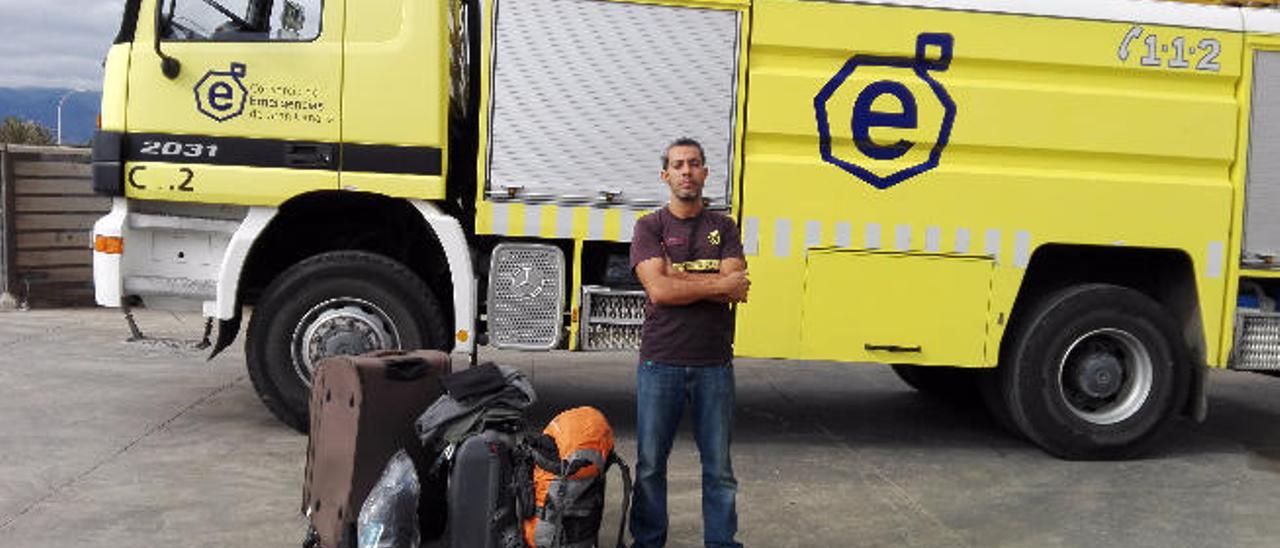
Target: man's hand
[735, 285]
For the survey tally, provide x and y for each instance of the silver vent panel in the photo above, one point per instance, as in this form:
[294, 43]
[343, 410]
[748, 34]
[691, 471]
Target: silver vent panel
[586, 94]
[1257, 346]
[526, 296]
[1262, 188]
[611, 318]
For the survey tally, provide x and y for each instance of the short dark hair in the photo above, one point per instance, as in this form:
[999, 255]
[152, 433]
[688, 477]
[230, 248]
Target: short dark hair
[683, 142]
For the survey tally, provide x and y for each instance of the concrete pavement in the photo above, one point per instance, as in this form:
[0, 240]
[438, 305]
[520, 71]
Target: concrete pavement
[110, 443]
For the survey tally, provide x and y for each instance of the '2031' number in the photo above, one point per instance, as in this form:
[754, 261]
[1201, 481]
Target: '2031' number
[1178, 51]
[174, 148]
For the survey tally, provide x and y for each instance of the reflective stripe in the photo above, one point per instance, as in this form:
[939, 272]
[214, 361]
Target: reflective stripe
[627, 220]
[873, 236]
[595, 224]
[993, 244]
[564, 222]
[902, 237]
[751, 236]
[532, 219]
[1021, 249]
[844, 234]
[962, 240]
[782, 238]
[1213, 265]
[500, 223]
[933, 239]
[812, 233]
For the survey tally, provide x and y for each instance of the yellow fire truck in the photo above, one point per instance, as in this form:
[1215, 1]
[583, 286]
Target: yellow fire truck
[1068, 209]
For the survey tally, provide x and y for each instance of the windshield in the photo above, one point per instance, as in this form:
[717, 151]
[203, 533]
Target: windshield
[240, 20]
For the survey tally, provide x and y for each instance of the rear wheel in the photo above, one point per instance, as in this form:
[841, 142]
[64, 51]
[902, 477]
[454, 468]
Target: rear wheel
[341, 302]
[1095, 372]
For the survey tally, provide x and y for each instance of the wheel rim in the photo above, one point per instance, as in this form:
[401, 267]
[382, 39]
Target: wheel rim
[1105, 376]
[344, 325]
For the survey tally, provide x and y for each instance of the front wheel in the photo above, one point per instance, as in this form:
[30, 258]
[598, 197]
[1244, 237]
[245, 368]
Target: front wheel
[341, 302]
[1095, 372]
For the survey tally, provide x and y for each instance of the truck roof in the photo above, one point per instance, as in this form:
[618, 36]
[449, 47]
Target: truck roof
[1226, 15]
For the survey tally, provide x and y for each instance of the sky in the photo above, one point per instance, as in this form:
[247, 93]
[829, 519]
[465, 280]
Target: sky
[56, 43]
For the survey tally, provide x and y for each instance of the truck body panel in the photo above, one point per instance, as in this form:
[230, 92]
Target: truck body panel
[1045, 134]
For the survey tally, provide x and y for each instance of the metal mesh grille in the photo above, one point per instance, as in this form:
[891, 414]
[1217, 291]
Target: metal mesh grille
[1258, 342]
[611, 337]
[526, 296]
[611, 319]
[578, 79]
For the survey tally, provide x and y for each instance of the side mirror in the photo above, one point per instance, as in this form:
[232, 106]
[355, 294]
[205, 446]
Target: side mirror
[169, 66]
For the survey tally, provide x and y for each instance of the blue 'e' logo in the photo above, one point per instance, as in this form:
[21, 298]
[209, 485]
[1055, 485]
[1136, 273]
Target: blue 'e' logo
[889, 104]
[221, 95]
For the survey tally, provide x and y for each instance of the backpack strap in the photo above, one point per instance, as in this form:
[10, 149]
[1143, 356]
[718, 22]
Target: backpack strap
[626, 493]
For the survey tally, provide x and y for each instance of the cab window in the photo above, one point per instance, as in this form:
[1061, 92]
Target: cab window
[240, 20]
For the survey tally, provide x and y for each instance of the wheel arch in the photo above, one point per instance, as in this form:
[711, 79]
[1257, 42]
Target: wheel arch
[413, 232]
[1167, 276]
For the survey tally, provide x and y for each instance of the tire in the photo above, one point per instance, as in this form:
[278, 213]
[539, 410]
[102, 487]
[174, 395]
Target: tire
[952, 384]
[1095, 372]
[340, 302]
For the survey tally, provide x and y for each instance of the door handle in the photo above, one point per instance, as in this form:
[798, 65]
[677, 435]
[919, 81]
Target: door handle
[308, 155]
[891, 348]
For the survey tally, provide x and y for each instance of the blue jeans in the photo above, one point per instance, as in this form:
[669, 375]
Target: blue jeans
[661, 394]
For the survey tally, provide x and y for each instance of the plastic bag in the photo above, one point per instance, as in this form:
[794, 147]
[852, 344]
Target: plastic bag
[389, 515]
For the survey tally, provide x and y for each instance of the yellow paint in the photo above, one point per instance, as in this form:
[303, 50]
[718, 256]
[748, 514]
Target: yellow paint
[396, 185]
[309, 73]
[1053, 136]
[1264, 274]
[395, 73]
[575, 296]
[115, 87]
[220, 184]
[895, 307]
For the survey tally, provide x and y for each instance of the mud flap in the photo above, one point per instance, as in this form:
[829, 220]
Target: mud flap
[1198, 399]
[227, 331]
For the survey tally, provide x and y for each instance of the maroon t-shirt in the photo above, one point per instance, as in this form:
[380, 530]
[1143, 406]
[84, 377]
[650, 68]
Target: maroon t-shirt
[700, 333]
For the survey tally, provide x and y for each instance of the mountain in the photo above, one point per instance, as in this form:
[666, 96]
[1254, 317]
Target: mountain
[79, 112]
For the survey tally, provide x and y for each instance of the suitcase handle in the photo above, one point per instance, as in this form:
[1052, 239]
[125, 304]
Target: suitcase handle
[402, 366]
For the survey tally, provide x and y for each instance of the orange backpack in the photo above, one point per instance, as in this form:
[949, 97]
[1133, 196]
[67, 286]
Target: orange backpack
[571, 461]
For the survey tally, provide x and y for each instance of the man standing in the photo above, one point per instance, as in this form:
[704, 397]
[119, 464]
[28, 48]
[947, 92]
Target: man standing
[691, 264]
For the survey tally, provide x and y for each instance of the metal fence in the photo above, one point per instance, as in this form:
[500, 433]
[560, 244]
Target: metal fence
[47, 211]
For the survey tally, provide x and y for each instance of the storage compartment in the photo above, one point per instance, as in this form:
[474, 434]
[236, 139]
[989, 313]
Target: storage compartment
[1262, 185]
[583, 94]
[890, 307]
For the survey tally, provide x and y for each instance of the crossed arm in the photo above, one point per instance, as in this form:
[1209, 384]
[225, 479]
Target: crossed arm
[667, 286]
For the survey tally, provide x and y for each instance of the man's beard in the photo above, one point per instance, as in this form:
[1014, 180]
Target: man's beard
[691, 196]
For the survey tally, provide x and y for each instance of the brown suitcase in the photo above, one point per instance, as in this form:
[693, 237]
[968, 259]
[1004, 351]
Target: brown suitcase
[362, 412]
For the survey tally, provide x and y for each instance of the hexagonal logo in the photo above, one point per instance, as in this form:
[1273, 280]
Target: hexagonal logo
[220, 94]
[900, 117]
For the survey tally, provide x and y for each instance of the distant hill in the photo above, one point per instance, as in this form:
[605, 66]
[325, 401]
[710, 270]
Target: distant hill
[79, 112]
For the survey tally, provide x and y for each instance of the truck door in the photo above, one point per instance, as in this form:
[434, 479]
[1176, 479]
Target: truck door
[252, 114]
